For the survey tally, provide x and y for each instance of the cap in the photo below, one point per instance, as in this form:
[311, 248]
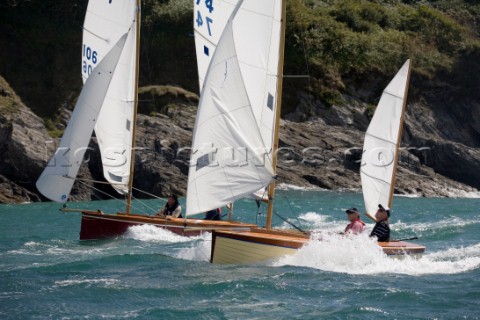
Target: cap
[352, 210]
[386, 209]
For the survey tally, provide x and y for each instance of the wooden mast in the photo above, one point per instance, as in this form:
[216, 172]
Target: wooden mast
[271, 188]
[134, 124]
[399, 138]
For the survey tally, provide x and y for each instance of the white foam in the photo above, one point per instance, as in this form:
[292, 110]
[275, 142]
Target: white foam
[199, 250]
[361, 255]
[321, 222]
[286, 186]
[88, 282]
[432, 228]
[150, 233]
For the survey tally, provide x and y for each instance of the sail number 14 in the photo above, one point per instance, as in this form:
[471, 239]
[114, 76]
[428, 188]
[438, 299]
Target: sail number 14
[89, 60]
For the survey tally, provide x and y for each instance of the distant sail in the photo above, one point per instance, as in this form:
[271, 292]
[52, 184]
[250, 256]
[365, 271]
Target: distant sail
[57, 179]
[105, 22]
[229, 157]
[380, 148]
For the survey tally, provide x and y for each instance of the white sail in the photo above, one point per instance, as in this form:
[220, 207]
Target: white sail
[229, 157]
[57, 179]
[256, 33]
[381, 143]
[105, 22]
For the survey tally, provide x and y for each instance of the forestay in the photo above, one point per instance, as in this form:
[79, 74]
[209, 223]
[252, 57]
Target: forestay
[105, 22]
[57, 179]
[230, 158]
[382, 139]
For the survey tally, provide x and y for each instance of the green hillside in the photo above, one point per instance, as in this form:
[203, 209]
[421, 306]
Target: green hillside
[342, 47]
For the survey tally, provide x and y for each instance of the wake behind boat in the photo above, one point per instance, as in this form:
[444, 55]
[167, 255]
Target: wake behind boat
[259, 245]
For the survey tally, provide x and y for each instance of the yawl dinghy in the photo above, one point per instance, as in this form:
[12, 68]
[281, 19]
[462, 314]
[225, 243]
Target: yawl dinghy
[108, 104]
[258, 244]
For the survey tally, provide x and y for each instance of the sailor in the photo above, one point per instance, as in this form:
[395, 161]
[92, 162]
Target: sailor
[381, 230]
[215, 214]
[172, 208]
[356, 225]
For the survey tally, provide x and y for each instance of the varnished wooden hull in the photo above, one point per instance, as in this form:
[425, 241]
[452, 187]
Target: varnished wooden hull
[259, 245]
[97, 225]
[255, 246]
[401, 248]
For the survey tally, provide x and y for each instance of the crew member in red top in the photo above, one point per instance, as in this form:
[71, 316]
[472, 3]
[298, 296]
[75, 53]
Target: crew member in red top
[356, 225]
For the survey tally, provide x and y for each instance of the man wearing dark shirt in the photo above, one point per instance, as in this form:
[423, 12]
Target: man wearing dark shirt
[381, 230]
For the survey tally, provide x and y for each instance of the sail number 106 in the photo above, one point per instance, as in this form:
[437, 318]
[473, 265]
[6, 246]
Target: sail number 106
[89, 59]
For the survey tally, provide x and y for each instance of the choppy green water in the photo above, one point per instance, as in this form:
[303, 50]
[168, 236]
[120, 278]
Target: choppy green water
[45, 272]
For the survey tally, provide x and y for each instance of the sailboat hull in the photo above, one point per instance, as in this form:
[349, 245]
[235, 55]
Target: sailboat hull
[97, 225]
[260, 245]
[254, 246]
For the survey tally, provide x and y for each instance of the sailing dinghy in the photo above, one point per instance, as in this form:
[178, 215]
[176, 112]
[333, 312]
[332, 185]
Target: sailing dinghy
[260, 244]
[108, 104]
[381, 151]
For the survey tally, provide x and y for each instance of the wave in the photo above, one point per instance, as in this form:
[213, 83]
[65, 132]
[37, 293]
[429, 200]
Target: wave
[150, 233]
[361, 255]
[440, 227]
[103, 282]
[198, 250]
[286, 186]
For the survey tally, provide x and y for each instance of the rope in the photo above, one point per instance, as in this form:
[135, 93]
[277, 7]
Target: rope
[293, 211]
[124, 202]
[99, 182]
[148, 194]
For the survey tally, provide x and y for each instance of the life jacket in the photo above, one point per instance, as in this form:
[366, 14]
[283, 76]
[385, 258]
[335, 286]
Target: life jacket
[169, 210]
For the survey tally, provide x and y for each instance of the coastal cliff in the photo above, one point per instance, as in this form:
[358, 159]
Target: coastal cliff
[324, 118]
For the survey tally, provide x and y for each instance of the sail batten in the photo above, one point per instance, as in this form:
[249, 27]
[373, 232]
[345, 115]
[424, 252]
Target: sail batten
[381, 145]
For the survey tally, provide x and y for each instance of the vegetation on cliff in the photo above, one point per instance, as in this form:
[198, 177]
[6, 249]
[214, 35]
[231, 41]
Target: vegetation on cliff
[339, 56]
[342, 45]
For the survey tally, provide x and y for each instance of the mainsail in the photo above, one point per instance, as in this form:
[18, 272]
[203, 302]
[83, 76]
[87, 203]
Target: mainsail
[106, 21]
[257, 22]
[382, 140]
[230, 158]
[57, 179]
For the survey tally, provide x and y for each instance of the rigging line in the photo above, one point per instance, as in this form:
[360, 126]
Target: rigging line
[148, 194]
[291, 209]
[308, 69]
[107, 194]
[112, 197]
[100, 182]
[96, 189]
[293, 225]
[144, 204]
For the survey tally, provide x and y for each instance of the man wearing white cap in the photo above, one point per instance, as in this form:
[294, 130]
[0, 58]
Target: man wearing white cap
[381, 230]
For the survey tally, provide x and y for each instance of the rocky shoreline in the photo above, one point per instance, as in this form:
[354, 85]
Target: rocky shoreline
[323, 152]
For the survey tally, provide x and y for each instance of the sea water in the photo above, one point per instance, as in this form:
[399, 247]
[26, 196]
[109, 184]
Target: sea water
[150, 273]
